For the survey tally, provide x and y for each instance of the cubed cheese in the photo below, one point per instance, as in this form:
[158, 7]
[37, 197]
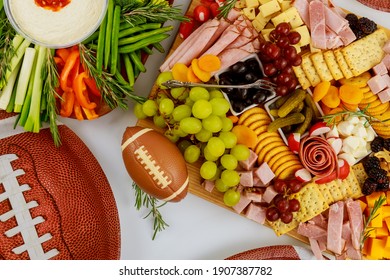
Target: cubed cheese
[285, 5]
[295, 19]
[264, 1]
[282, 17]
[305, 35]
[376, 248]
[269, 8]
[250, 13]
[260, 22]
[266, 31]
[240, 4]
[252, 3]
[382, 231]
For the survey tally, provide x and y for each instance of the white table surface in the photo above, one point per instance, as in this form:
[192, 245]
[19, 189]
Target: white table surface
[198, 230]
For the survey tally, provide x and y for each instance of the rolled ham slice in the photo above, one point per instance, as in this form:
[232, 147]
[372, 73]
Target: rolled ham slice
[317, 24]
[318, 156]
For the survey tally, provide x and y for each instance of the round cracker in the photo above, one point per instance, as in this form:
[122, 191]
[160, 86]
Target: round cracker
[254, 118]
[259, 123]
[251, 111]
[275, 151]
[264, 143]
[285, 165]
[281, 161]
[278, 156]
[267, 134]
[289, 171]
[378, 110]
[261, 130]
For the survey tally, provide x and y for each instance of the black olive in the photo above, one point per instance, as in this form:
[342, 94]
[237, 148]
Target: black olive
[250, 77]
[241, 93]
[253, 64]
[259, 97]
[238, 106]
[239, 67]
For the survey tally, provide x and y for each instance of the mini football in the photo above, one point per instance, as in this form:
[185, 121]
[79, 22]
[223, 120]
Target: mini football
[55, 202]
[155, 164]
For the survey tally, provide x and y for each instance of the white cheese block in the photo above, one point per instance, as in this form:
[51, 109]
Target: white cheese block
[269, 8]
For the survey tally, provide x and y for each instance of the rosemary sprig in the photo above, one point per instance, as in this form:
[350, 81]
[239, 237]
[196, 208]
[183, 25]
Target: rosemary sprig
[51, 82]
[373, 214]
[152, 12]
[114, 93]
[151, 203]
[226, 7]
[333, 119]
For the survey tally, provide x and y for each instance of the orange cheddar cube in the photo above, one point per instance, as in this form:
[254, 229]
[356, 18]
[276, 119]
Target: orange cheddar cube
[387, 222]
[386, 211]
[373, 197]
[363, 205]
[376, 248]
[378, 219]
[386, 253]
[382, 231]
[388, 197]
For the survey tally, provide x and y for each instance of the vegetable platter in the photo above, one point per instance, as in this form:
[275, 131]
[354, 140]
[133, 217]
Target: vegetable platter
[310, 164]
[86, 80]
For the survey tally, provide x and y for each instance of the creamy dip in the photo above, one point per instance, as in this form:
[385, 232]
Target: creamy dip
[67, 26]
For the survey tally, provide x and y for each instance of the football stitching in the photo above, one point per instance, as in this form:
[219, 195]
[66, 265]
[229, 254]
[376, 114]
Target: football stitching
[21, 212]
[149, 164]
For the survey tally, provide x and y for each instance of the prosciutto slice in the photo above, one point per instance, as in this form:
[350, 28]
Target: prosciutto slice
[356, 221]
[317, 24]
[335, 226]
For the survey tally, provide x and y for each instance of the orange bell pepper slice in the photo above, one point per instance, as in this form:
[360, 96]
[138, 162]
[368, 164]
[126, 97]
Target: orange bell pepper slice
[63, 54]
[77, 111]
[67, 102]
[91, 84]
[90, 113]
[81, 92]
[69, 64]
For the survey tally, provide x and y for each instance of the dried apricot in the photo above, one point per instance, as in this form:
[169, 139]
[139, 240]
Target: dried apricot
[179, 72]
[332, 99]
[321, 90]
[350, 94]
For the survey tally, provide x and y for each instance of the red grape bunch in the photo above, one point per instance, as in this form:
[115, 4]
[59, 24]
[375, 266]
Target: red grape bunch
[281, 207]
[279, 56]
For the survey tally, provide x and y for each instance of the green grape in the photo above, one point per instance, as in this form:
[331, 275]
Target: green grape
[220, 186]
[209, 156]
[228, 138]
[166, 106]
[220, 106]
[138, 111]
[229, 162]
[230, 178]
[231, 197]
[183, 145]
[159, 121]
[197, 93]
[227, 124]
[164, 77]
[181, 112]
[191, 125]
[217, 174]
[201, 109]
[149, 107]
[216, 146]
[215, 93]
[180, 93]
[208, 170]
[203, 135]
[171, 136]
[191, 153]
[160, 96]
[189, 102]
[212, 123]
[240, 151]
[178, 131]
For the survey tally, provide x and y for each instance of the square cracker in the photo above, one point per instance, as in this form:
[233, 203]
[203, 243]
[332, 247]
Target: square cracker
[335, 191]
[301, 76]
[312, 203]
[325, 192]
[331, 62]
[344, 188]
[310, 71]
[356, 179]
[321, 66]
[343, 64]
[363, 54]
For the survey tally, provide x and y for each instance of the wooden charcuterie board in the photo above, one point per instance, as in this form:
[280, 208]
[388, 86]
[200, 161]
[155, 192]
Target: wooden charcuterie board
[193, 169]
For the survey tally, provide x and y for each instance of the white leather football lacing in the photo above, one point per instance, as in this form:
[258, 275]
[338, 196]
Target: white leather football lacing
[21, 212]
[153, 169]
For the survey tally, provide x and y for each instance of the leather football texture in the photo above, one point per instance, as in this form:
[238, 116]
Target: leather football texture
[55, 202]
[155, 164]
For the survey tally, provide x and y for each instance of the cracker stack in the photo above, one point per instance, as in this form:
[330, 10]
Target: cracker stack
[346, 62]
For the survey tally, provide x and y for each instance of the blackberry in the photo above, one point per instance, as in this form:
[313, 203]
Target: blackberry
[367, 25]
[358, 33]
[353, 20]
[369, 186]
[386, 144]
[377, 144]
[379, 175]
[383, 187]
[371, 162]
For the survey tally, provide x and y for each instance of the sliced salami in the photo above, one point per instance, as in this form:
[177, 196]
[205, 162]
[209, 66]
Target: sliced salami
[318, 156]
[381, 5]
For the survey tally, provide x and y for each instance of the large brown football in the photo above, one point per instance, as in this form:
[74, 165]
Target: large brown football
[155, 164]
[381, 5]
[55, 203]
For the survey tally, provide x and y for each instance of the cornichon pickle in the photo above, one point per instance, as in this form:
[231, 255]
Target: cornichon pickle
[299, 107]
[294, 118]
[295, 98]
[281, 100]
[310, 102]
[308, 113]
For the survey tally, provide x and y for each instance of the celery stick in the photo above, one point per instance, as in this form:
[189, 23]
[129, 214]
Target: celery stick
[24, 77]
[7, 90]
[16, 58]
[11, 103]
[33, 119]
